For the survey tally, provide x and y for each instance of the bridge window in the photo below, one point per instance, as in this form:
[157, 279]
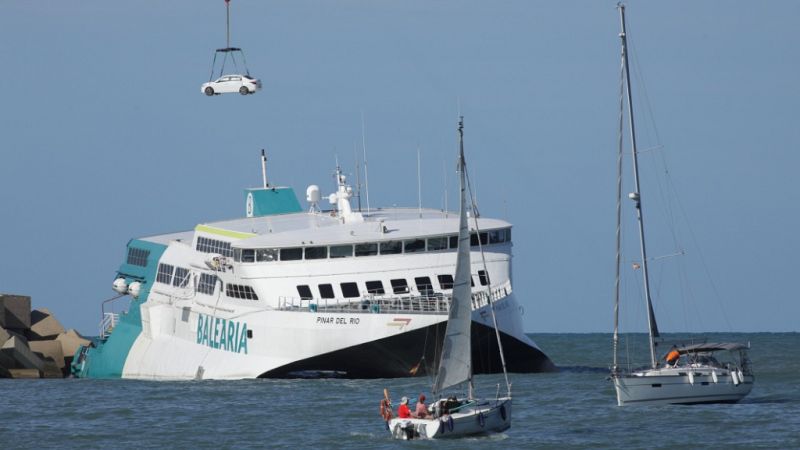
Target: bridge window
[445, 281]
[181, 277]
[424, 285]
[400, 286]
[164, 273]
[138, 256]
[508, 234]
[326, 291]
[341, 251]
[207, 245]
[391, 247]
[305, 292]
[207, 283]
[473, 239]
[437, 243]
[240, 291]
[267, 254]
[368, 249]
[291, 254]
[248, 255]
[375, 287]
[350, 290]
[497, 236]
[484, 277]
[453, 241]
[414, 245]
[316, 252]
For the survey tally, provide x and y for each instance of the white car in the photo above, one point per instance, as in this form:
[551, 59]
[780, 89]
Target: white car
[226, 84]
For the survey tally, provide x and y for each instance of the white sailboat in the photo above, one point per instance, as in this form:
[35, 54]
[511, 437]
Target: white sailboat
[690, 374]
[452, 416]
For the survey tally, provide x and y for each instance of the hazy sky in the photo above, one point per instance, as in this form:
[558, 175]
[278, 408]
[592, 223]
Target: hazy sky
[106, 137]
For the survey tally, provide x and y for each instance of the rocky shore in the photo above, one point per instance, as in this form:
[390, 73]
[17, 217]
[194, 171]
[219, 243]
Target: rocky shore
[34, 344]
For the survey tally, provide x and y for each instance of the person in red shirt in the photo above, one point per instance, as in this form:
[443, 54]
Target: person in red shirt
[402, 411]
[422, 410]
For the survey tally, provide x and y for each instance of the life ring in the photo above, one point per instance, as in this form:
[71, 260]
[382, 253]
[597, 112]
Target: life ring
[481, 420]
[503, 412]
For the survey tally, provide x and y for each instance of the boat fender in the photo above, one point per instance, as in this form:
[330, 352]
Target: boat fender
[740, 375]
[450, 423]
[691, 378]
[481, 420]
[735, 378]
[714, 376]
[503, 412]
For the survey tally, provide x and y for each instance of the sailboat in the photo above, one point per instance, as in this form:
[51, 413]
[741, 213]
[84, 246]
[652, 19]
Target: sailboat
[688, 374]
[450, 416]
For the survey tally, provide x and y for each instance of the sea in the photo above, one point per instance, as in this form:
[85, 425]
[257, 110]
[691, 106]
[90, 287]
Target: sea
[574, 408]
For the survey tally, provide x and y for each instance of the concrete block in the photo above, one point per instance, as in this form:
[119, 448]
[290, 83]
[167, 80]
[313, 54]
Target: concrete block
[70, 341]
[49, 349]
[4, 336]
[50, 370]
[44, 325]
[15, 312]
[17, 349]
[24, 373]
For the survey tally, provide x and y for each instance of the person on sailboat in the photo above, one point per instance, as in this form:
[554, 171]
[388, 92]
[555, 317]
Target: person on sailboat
[402, 411]
[673, 356]
[421, 411]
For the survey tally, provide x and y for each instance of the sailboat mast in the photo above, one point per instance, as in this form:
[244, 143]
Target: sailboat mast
[636, 195]
[620, 152]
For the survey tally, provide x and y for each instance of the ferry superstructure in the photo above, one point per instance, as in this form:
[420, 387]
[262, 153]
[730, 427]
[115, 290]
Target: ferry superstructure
[289, 292]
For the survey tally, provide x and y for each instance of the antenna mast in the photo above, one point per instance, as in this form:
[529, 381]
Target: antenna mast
[358, 176]
[419, 184]
[364, 146]
[264, 169]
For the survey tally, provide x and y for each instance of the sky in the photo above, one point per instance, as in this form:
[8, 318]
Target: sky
[105, 136]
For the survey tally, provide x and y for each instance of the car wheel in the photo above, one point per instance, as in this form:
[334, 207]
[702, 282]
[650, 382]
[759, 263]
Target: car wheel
[243, 90]
[209, 91]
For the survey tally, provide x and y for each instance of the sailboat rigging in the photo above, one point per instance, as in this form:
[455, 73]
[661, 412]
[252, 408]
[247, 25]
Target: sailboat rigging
[690, 374]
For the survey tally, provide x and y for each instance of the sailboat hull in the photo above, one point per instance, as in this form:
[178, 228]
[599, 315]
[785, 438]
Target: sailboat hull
[681, 386]
[486, 417]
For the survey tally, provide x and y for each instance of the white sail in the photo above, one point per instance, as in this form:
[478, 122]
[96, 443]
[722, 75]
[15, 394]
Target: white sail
[455, 365]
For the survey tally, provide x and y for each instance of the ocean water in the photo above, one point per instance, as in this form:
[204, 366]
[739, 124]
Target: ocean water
[574, 408]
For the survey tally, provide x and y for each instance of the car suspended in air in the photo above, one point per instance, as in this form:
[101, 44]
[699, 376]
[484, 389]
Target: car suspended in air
[226, 83]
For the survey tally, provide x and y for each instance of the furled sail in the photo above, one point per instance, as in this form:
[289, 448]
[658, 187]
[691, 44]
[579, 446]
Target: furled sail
[455, 365]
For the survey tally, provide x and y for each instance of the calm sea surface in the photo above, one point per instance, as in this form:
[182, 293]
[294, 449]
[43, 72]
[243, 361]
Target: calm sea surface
[572, 409]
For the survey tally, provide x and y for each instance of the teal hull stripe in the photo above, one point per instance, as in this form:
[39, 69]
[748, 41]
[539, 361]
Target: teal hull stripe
[108, 359]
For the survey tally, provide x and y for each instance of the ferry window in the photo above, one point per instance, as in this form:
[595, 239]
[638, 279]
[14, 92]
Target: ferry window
[453, 241]
[267, 254]
[326, 291]
[316, 252]
[508, 234]
[181, 277]
[473, 239]
[424, 285]
[400, 286]
[164, 273]
[240, 291]
[391, 247]
[305, 292]
[414, 245]
[497, 236]
[207, 245]
[350, 290]
[437, 243]
[484, 277]
[341, 251]
[445, 281]
[137, 256]
[291, 254]
[367, 249]
[237, 254]
[207, 283]
[248, 255]
[375, 287]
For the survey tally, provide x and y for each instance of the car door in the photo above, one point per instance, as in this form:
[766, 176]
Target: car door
[236, 83]
[224, 84]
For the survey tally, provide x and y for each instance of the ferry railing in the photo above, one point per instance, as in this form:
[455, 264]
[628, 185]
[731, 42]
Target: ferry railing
[436, 303]
[110, 320]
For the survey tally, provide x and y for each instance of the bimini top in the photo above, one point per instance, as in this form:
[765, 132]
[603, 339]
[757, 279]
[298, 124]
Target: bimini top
[711, 347]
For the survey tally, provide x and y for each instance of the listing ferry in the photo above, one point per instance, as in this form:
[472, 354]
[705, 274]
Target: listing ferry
[290, 292]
